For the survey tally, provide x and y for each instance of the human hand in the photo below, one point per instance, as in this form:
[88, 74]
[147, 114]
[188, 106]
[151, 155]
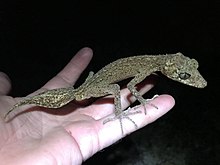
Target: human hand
[73, 133]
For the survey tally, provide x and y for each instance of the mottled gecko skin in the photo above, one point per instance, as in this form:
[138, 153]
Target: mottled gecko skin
[175, 66]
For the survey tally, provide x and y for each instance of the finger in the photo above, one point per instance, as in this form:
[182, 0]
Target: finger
[97, 136]
[105, 106]
[111, 131]
[5, 84]
[69, 75]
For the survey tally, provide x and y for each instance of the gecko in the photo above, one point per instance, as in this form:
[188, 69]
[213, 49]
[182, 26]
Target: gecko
[174, 66]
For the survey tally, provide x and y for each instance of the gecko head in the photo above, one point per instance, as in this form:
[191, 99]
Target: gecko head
[183, 69]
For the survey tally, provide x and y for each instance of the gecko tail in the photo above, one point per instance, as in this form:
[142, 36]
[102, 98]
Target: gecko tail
[22, 102]
[54, 98]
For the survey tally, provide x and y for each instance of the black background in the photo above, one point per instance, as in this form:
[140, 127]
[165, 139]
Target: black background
[38, 39]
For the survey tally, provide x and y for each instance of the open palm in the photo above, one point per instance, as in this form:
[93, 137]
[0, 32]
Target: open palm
[73, 133]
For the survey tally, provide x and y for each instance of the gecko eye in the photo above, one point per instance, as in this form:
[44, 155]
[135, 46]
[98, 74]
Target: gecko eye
[184, 75]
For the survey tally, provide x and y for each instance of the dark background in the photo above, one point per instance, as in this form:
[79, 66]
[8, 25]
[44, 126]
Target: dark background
[38, 39]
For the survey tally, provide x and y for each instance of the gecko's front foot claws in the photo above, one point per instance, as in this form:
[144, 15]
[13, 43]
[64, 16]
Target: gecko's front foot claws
[147, 101]
[124, 114]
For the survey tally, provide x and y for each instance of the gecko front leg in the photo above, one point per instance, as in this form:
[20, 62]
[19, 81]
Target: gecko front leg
[114, 89]
[131, 86]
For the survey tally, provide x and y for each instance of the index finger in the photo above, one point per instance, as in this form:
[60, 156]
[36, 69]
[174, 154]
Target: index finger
[71, 72]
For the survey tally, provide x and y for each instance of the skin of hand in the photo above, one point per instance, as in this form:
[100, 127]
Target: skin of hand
[73, 133]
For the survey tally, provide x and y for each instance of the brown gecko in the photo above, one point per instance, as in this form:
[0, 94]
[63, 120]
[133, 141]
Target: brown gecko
[175, 66]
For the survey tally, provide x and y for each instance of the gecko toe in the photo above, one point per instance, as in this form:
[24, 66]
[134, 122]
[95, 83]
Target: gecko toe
[124, 115]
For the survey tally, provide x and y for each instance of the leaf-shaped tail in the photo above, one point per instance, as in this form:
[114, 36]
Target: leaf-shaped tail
[54, 98]
[23, 102]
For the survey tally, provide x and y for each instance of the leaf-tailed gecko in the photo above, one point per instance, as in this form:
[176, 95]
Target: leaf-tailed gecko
[175, 66]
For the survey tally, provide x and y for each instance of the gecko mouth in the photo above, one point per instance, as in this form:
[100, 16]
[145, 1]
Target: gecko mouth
[198, 84]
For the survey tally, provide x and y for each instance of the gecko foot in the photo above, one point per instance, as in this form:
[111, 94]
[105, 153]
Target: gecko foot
[125, 114]
[144, 102]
